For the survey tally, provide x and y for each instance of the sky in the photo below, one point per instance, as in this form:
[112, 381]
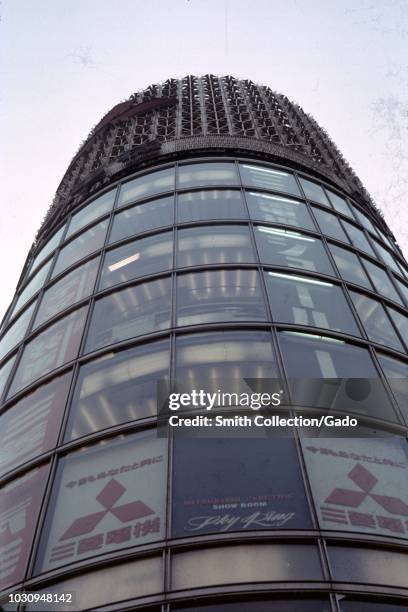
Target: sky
[64, 64]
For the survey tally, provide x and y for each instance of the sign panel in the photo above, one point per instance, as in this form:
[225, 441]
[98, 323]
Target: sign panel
[224, 485]
[359, 484]
[19, 507]
[109, 497]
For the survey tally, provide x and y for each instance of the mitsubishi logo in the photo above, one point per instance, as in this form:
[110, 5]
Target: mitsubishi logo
[366, 482]
[107, 498]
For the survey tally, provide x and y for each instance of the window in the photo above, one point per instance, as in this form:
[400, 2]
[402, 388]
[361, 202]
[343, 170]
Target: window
[208, 245]
[285, 248]
[349, 266]
[358, 238]
[212, 173]
[101, 488]
[403, 289]
[36, 418]
[142, 218]
[213, 204]
[5, 370]
[352, 385]
[386, 239]
[381, 281]
[91, 212]
[357, 483]
[49, 246]
[20, 503]
[314, 192]
[219, 295]
[277, 209]
[307, 301]
[32, 287]
[365, 221]
[375, 321]
[368, 565]
[380, 605]
[86, 243]
[16, 332]
[138, 258]
[339, 203]
[388, 259]
[257, 563]
[118, 388]
[329, 224]
[268, 605]
[400, 322]
[71, 288]
[234, 484]
[53, 347]
[397, 375]
[268, 178]
[147, 186]
[132, 312]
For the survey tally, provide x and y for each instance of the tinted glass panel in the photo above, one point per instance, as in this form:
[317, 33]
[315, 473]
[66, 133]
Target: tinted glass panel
[33, 286]
[142, 218]
[277, 209]
[401, 323]
[403, 289]
[213, 173]
[31, 426]
[388, 258]
[213, 204]
[270, 605]
[207, 245]
[349, 266]
[316, 357]
[138, 258]
[219, 295]
[47, 248]
[329, 224]
[92, 211]
[131, 312]
[306, 301]
[5, 370]
[397, 376]
[53, 347]
[226, 485]
[87, 242]
[71, 288]
[268, 178]
[365, 221]
[118, 388]
[313, 191]
[20, 503]
[16, 332]
[285, 248]
[375, 321]
[358, 238]
[371, 606]
[129, 474]
[368, 565]
[146, 186]
[381, 281]
[339, 203]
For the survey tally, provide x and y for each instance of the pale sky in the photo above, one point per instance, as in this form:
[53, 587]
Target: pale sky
[63, 64]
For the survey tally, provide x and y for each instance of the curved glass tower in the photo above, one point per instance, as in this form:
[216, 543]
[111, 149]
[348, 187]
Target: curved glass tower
[207, 229]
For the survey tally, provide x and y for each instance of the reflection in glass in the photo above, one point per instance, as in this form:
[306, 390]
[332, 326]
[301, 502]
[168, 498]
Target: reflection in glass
[138, 258]
[212, 204]
[329, 224]
[208, 245]
[33, 286]
[403, 289]
[53, 347]
[375, 321]
[314, 192]
[339, 203]
[118, 388]
[268, 178]
[5, 370]
[349, 266]
[91, 212]
[400, 322]
[388, 259]
[132, 312]
[71, 288]
[381, 281]
[368, 565]
[211, 173]
[396, 373]
[286, 248]
[365, 221]
[87, 242]
[219, 295]
[16, 332]
[142, 218]
[47, 248]
[358, 238]
[297, 604]
[379, 605]
[308, 301]
[277, 209]
[146, 186]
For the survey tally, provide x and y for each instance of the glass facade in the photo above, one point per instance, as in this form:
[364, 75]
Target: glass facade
[207, 269]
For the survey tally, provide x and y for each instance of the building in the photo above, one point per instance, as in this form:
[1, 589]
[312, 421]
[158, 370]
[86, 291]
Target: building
[207, 228]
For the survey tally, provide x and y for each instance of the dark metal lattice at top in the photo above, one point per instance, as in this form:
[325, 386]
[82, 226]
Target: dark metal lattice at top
[200, 113]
